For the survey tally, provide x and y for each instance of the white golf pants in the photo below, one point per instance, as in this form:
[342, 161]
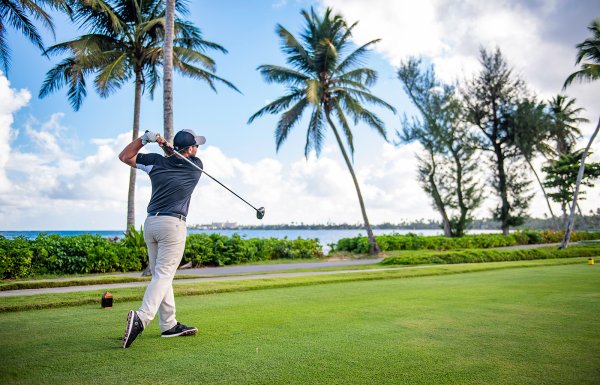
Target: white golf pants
[165, 239]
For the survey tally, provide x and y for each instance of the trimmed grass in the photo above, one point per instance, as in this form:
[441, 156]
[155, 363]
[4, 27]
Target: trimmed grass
[44, 301]
[506, 326]
[80, 281]
[392, 258]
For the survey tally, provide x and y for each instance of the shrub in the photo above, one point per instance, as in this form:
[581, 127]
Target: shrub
[410, 241]
[219, 250]
[476, 256]
[15, 258]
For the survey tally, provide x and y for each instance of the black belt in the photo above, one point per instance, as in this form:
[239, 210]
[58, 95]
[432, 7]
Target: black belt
[160, 213]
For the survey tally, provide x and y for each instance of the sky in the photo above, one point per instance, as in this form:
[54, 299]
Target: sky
[59, 168]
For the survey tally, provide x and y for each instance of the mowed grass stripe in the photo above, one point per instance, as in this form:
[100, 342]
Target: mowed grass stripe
[510, 326]
[45, 301]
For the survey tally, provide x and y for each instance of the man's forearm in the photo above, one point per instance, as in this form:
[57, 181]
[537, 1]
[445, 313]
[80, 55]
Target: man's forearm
[130, 152]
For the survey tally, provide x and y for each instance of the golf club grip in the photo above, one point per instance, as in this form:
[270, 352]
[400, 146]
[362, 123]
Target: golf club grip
[208, 175]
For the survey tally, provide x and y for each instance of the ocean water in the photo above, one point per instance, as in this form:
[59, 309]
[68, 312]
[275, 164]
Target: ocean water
[325, 237]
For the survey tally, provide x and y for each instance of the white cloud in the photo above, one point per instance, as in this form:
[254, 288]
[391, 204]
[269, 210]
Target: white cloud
[450, 32]
[11, 101]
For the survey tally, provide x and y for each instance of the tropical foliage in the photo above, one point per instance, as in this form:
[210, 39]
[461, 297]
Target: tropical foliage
[561, 177]
[447, 171]
[18, 14]
[564, 130]
[588, 55]
[494, 102]
[479, 256]
[124, 43]
[53, 254]
[479, 241]
[332, 85]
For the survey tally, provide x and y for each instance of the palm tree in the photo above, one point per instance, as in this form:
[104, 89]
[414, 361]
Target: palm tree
[125, 42]
[331, 85]
[589, 49]
[563, 129]
[18, 15]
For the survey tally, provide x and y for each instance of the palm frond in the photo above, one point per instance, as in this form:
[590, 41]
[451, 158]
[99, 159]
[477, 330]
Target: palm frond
[85, 45]
[355, 58]
[98, 16]
[4, 50]
[361, 75]
[56, 77]
[367, 97]
[111, 77]
[359, 113]
[149, 27]
[295, 52]
[587, 73]
[37, 12]
[345, 83]
[590, 48]
[282, 75]
[189, 55]
[315, 133]
[17, 18]
[345, 126]
[313, 91]
[279, 105]
[287, 121]
[326, 56]
[189, 36]
[348, 34]
[77, 91]
[151, 73]
[200, 74]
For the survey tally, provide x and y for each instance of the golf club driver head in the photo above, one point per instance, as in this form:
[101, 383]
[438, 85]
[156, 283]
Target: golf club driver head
[260, 213]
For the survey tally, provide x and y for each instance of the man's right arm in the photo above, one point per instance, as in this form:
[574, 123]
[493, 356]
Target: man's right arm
[129, 153]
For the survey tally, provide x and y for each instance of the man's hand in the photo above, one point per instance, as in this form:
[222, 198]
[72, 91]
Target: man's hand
[162, 142]
[149, 137]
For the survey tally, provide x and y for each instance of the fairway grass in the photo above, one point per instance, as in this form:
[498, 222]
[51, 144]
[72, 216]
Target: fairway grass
[536, 325]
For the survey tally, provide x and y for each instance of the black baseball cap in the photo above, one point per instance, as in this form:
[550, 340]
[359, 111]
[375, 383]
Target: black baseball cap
[186, 138]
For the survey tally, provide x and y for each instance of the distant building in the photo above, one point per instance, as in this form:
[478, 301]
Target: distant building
[218, 226]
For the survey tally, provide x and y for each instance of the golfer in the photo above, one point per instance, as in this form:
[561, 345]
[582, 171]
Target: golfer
[173, 181]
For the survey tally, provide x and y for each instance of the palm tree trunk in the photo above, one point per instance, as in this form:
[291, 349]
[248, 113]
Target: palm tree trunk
[556, 226]
[168, 70]
[571, 222]
[136, 133]
[374, 247]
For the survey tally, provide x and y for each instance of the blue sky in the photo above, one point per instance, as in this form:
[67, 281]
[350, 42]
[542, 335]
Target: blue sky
[59, 168]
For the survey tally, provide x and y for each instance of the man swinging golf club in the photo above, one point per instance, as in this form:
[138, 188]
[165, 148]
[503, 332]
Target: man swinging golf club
[173, 181]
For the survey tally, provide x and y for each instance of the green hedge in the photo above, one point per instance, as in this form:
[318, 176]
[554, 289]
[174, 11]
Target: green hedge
[476, 256]
[52, 254]
[219, 250]
[360, 244]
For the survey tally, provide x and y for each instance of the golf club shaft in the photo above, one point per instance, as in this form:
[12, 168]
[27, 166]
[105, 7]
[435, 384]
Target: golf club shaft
[208, 175]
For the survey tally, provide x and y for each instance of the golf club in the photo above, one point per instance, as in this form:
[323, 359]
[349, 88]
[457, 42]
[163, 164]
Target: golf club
[260, 212]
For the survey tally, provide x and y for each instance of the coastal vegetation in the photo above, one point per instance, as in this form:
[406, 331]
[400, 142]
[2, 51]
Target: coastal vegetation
[482, 241]
[83, 254]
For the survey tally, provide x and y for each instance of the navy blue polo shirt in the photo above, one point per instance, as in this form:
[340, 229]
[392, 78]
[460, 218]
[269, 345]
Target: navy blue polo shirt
[173, 181]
